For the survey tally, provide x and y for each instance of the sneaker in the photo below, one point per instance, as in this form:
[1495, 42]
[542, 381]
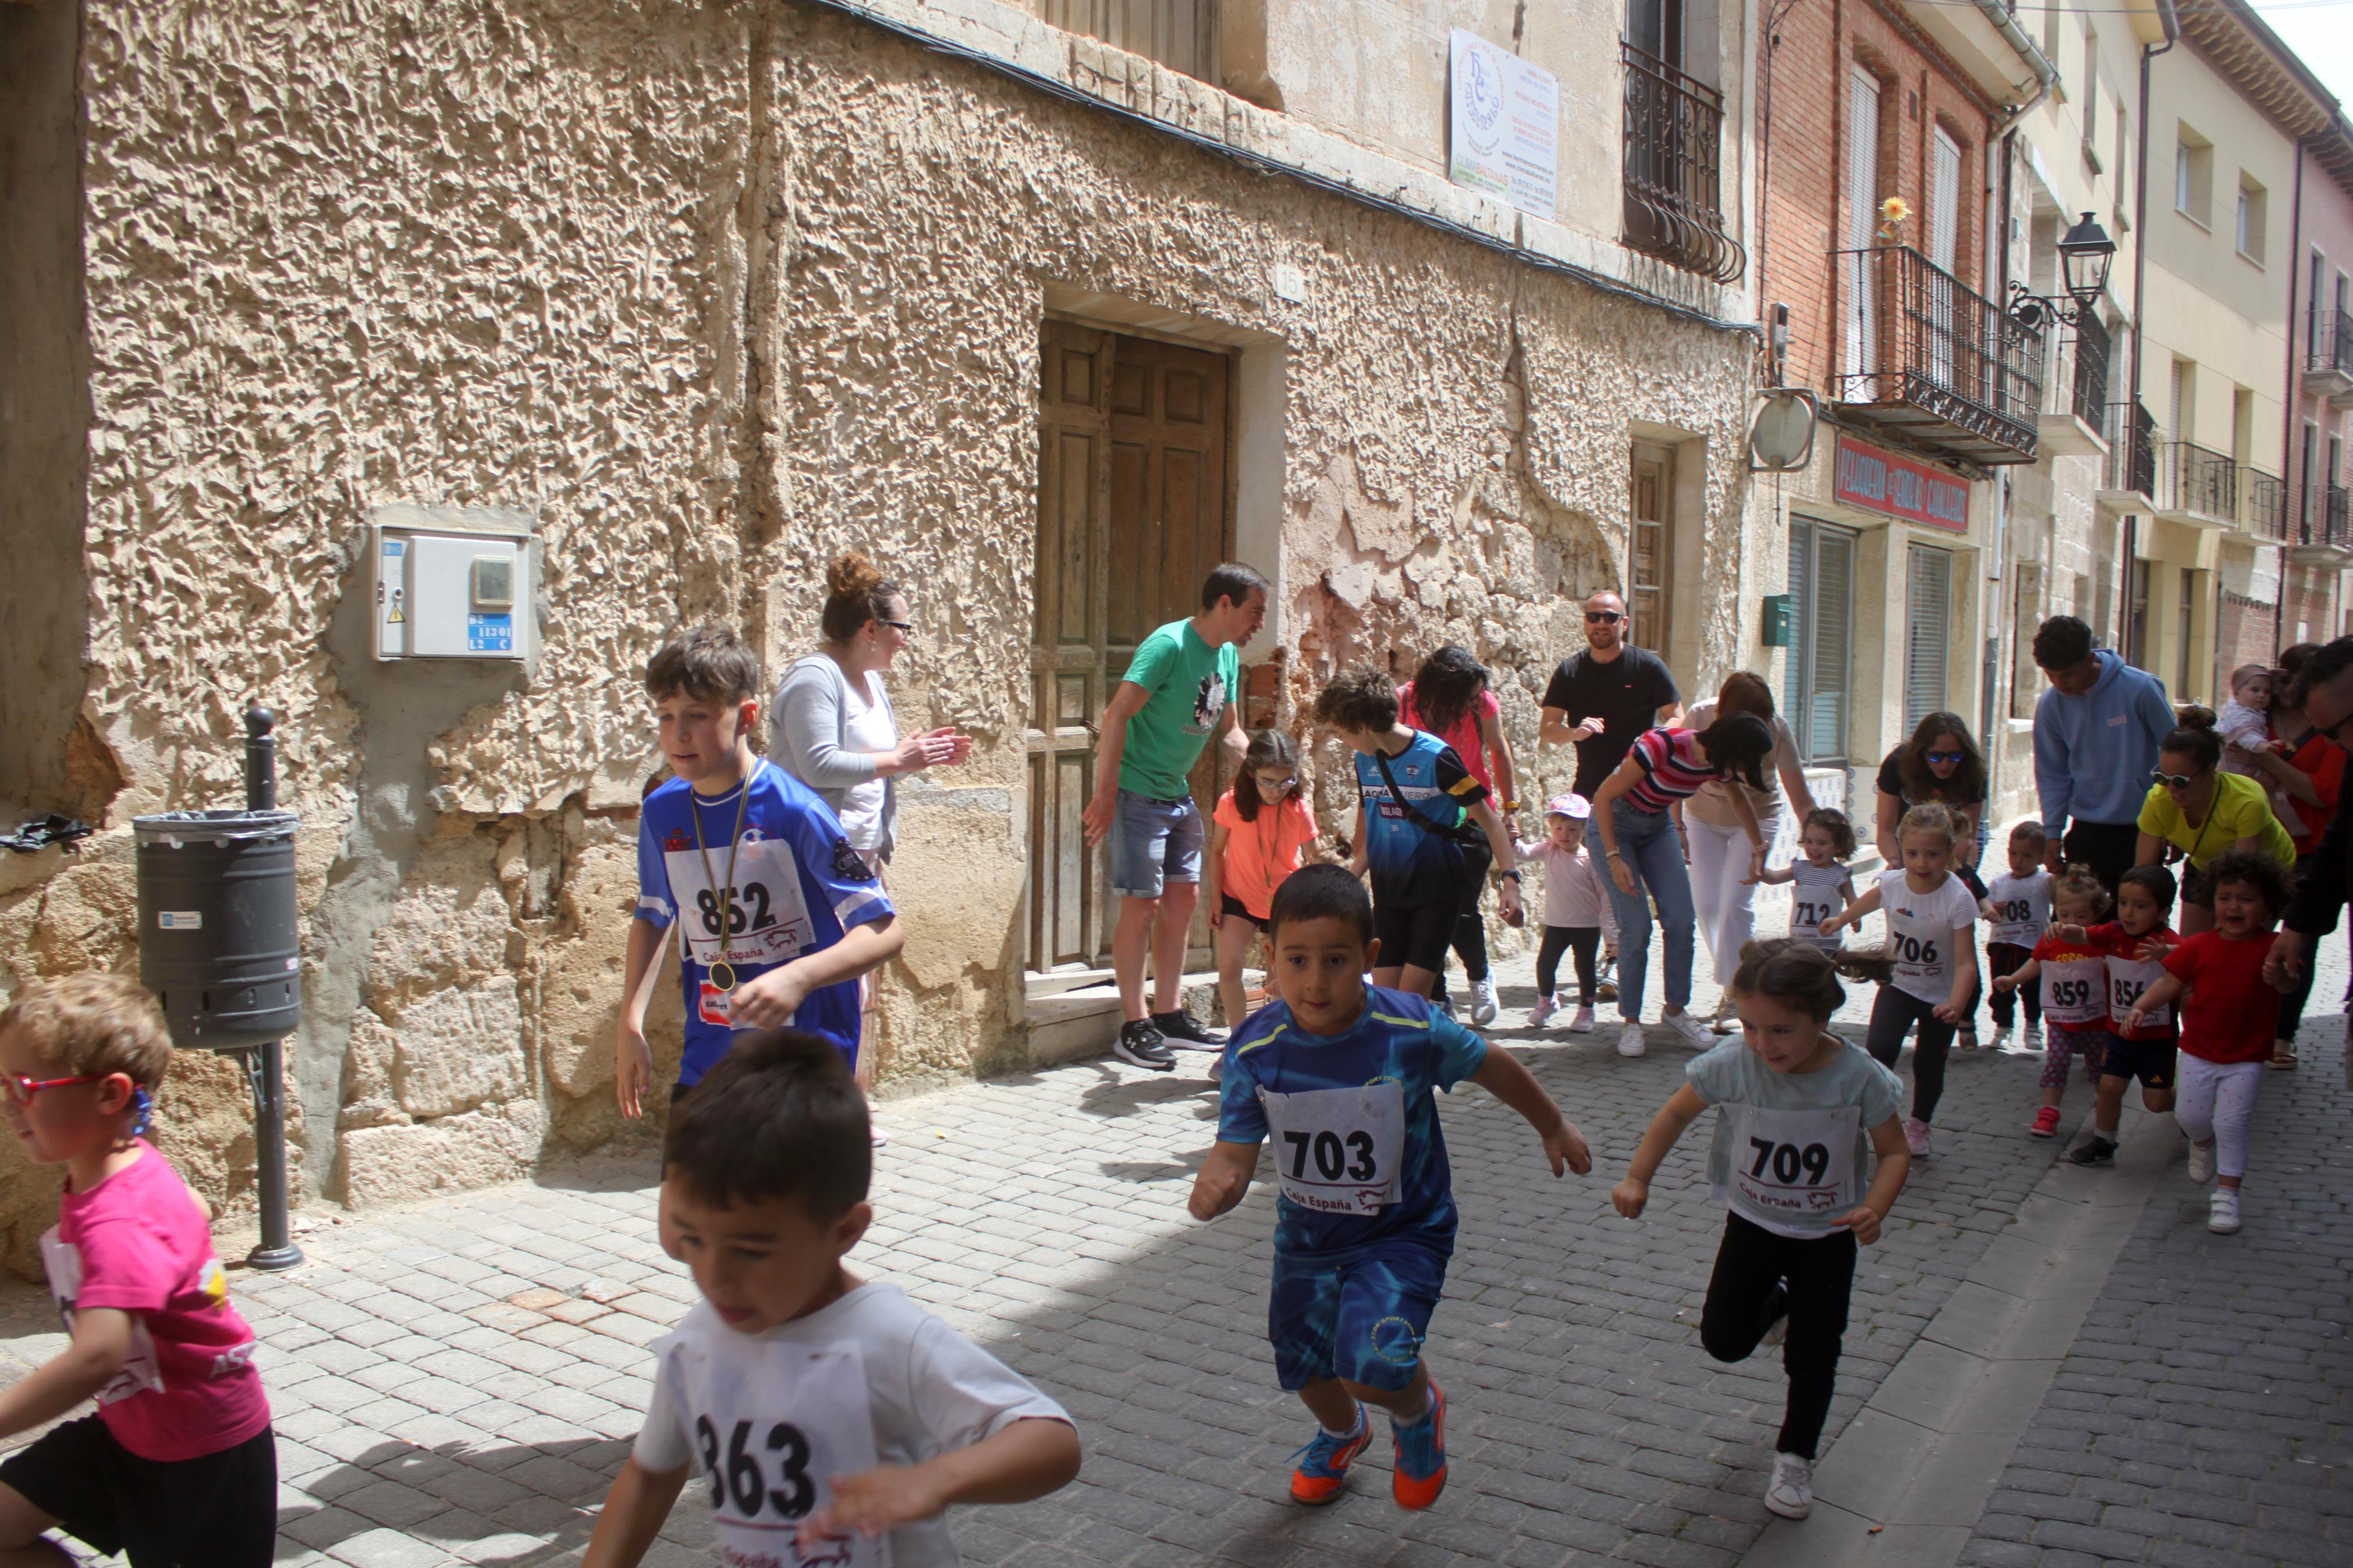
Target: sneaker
[2201, 1163]
[1482, 1001]
[1187, 1033]
[1630, 1042]
[1583, 1023]
[2222, 1211]
[2032, 1039]
[1544, 1008]
[876, 1138]
[1792, 1494]
[1966, 1039]
[1217, 1070]
[1726, 1021]
[2001, 1037]
[1444, 1004]
[1777, 1318]
[2046, 1123]
[1690, 1031]
[2098, 1151]
[1915, 1138]
[1321, 1471]
[1608, 991]
[1140, 1045]
[1420, 1455]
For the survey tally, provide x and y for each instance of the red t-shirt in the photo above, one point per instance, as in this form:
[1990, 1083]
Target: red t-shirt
[1464, 736]
[2230, 1014]
[2324, 760]
[137, 1242]
[2128, 976]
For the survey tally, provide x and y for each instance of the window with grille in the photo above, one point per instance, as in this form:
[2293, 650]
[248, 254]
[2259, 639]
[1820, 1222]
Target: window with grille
[1819, 679]
[1182, 34]
[1651, 559]
[1927, 632]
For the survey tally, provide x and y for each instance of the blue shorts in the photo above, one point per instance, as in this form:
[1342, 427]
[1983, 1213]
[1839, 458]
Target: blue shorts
[1153, 843]
[2151, 1062]
[1363, 1320]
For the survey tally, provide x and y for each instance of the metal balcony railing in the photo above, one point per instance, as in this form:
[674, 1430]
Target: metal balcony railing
[2197, 481]
[2075, 373]
[2131, 432]
[2331, 348]
[1923, 352]
[2263, 503]
[1674, 169]
[2330, 525]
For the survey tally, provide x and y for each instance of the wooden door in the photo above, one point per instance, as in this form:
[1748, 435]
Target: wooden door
[1132, 513]
[1651, 560]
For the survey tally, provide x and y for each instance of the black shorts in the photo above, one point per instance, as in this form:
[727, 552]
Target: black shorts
[216, 1511]
[1414, 936]
[1231, 907]
[2151, 1062]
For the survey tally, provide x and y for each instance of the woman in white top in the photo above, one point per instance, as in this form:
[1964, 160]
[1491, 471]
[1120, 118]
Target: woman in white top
[1715, 843]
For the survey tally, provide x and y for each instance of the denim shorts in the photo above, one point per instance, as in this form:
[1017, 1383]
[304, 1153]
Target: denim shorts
[1153, 843]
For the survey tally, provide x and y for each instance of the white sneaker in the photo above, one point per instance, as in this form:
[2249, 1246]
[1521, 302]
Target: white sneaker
[2222, 1212]
[1544, 1008]
[1915, 1138]
[2201, 1163]
[1689, 1030]
[1583, 1023]
[2034, 1036]
[1792, 1494]
[1482, 1001]
[1630, 1042]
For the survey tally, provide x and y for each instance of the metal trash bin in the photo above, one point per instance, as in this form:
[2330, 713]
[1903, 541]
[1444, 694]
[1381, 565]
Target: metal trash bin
[219, 933]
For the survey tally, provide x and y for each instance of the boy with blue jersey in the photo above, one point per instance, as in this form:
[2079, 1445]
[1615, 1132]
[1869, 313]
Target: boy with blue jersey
[1340, 1078]
[781, 915]
[1425, 829]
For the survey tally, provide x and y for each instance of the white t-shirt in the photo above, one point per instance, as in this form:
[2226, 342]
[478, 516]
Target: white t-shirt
[871, 1379]
[868, 728]
[2021, 908]
[1790, 1148]
[1920, 929]
[1815, 898]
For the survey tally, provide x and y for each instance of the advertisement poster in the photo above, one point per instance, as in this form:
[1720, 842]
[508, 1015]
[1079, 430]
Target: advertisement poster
[1503, 125]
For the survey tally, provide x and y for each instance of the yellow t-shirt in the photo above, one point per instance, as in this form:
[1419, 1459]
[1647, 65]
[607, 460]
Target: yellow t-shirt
[2239, 811]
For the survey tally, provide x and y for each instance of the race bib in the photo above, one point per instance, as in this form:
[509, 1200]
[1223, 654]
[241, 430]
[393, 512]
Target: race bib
[1807, 914]
[1794, 1167]
[713, 1005]
[767, 921]
[1337, 1150]
[2015, 922]
[2075, 990]
[1924, 957]
[770, 1430]
[140, 1373]
[2127, 978]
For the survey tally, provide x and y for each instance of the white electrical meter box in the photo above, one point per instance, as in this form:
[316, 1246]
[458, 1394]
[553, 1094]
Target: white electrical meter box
[451, 593]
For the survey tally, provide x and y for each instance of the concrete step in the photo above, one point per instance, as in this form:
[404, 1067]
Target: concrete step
[1073, 1024]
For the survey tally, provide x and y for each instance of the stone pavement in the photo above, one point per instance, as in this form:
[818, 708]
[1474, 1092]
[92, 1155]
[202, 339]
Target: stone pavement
[456, 1382]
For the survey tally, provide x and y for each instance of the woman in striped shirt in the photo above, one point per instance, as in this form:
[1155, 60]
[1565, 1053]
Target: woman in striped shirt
[1633, 830]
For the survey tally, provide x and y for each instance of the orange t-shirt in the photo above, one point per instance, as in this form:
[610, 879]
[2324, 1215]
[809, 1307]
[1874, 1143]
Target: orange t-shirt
[1260, 854]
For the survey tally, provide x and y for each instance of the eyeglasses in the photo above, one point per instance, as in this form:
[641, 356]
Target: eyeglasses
[1947, 756]
[1285, 782]
[2173, 781]
[905, 628]
[21, 1090]
[1607, 618]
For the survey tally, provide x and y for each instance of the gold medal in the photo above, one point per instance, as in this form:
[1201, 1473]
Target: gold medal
[722, 977]
[722, 973]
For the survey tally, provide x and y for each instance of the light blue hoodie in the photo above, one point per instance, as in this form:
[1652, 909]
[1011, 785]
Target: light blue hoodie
[2093, 754]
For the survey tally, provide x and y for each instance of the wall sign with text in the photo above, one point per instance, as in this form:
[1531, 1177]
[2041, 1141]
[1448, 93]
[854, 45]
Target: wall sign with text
[1878, 480]
[1503, 125]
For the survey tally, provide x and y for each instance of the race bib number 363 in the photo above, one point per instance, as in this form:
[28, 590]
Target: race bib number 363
[1337, 1150]
[770, 1433]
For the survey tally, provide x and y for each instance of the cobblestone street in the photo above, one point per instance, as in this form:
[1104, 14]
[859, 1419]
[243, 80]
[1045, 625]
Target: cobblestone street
[457, 1381]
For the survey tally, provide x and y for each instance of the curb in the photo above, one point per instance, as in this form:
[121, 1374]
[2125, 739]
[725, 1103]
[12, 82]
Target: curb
[1909, 1478]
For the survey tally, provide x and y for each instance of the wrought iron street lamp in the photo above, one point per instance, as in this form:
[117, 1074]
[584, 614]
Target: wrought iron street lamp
[2083, 259]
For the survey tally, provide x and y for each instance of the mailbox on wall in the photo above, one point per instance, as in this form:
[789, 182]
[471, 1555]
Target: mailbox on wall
[453, 592]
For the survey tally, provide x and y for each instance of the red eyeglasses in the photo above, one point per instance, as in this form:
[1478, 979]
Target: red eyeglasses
[21, 1088]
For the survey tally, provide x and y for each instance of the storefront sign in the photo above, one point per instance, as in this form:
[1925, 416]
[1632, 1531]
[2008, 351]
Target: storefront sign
[1878, 480]
[1503, 125]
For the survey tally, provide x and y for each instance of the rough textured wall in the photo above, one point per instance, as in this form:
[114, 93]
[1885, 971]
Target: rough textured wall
[711, 292]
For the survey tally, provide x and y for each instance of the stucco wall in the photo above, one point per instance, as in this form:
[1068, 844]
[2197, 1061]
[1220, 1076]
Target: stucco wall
[712, 293]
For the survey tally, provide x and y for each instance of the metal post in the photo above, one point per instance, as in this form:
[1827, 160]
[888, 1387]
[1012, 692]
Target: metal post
[265, 1068]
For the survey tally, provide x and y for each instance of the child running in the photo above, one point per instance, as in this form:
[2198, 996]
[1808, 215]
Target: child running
[2134, 946]
[2227, 1017]
[1257, 833]
[2073, 975]
[180, 1450]
[1795, 1103]
[1824, 888]
[1930, 914]
[835, 1420]
[1341, 1078]
[2017, 909]
[1577, 913]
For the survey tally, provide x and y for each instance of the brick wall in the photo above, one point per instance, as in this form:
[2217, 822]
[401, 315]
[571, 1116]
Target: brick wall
[2311, 598]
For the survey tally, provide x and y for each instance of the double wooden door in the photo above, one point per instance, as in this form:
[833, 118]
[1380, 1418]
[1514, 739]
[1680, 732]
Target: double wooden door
[1132, 513]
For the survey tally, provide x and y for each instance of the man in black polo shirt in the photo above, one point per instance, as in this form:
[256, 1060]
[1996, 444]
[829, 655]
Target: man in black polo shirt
[1601, 699]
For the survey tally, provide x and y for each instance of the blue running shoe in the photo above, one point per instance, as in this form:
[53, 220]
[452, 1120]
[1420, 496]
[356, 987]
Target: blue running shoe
[1322, 1468]
[1420, 1472]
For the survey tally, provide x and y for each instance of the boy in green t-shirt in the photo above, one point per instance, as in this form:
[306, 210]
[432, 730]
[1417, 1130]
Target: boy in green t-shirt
[1178, 690]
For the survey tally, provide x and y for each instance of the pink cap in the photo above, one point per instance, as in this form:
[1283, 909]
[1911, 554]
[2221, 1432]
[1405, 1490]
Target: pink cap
[1572, 806]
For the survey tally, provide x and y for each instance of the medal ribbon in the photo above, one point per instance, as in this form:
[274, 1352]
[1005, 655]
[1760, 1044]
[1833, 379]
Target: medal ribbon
[727, 898]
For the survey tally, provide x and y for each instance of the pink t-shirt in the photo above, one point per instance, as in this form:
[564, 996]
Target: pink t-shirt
[137, 1242]
[1464, 736]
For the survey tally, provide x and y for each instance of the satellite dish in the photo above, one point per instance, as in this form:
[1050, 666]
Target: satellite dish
[1782, 439]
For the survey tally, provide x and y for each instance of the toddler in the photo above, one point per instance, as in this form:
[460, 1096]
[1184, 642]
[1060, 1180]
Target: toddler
[1824, 889]
[2017, 909]
[2245, 723]
[2075, 981]
[2134, 945]
[1577, 912]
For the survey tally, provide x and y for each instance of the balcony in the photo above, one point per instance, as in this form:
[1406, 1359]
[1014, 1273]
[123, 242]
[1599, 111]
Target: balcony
[2327, 539]
[2329, 358]
[2072, 420]
[1674, 170]
[2263, 504]
[2196, 485]
[1929, 360]
[2128, 477]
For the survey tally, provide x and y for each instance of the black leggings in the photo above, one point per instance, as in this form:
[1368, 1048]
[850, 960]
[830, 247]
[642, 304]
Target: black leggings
[2008, 958]
[1819, 1274]
[1584, 941]
[1895, 1013]
[1470, 938]
[2291, 1003]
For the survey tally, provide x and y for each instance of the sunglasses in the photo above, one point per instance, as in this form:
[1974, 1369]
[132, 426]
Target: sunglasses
[2173, 781]
[1947, 756]
[1607, 618]
[21, 1090]
[905, 628]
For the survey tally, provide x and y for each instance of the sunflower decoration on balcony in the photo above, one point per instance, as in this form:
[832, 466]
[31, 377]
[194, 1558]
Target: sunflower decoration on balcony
[1894, 213]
